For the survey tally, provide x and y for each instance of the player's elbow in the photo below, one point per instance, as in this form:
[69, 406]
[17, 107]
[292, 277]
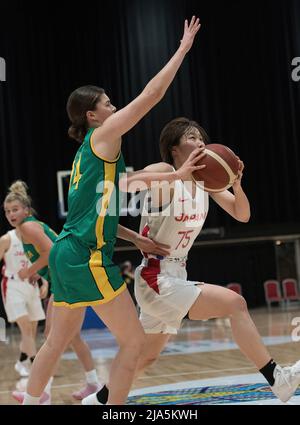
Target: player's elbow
[243, 218]
[153, 94]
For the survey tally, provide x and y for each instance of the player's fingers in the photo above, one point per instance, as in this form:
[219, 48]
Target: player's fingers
[199, 167]
[196, 24]
[194, 153]
[198, 158]
[192, 22]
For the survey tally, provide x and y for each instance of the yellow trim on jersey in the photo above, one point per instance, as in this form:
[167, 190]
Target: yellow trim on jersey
[109, 184]
[111, 161]
[71, 175]
[78, 175]
[100, 276]
[89, 303]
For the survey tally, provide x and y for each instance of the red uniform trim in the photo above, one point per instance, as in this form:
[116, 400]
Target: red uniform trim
[150, 273]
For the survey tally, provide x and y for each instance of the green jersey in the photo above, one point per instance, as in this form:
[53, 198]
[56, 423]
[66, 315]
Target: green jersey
[93, 198]
[32, 252]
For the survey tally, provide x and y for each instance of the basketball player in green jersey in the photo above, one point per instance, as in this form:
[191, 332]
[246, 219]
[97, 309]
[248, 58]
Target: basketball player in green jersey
[82, 269]
[37, 239]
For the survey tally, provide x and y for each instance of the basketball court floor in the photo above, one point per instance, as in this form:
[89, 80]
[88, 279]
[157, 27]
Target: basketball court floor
[201, 365]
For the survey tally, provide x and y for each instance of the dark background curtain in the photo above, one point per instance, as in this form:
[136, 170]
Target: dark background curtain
[236, 82]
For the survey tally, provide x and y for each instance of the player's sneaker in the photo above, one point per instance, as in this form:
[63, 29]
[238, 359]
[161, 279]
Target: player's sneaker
[91, 400]
[87, 390]
[287, 380]
[23, 368]
[44, 400]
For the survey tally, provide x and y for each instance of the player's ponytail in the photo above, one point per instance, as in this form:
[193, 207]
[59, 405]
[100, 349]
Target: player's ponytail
[77, 132]
[18, 191]
[80, 101]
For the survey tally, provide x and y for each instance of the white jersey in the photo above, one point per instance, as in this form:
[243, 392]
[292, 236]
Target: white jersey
[14, 258]
[180, 222]
[20, 298]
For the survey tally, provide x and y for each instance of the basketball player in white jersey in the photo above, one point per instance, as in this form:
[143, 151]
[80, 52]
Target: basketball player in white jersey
[174, 213]
[21, 298]
[17, 207]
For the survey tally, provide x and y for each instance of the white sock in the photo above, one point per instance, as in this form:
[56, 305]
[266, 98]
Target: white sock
[28, 399]
[48, 386]
[91, 377]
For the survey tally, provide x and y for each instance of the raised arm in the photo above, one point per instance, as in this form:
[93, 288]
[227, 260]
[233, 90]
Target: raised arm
[106, 137]
[155, 174]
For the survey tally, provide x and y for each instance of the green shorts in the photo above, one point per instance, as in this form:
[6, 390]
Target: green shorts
[82, 277]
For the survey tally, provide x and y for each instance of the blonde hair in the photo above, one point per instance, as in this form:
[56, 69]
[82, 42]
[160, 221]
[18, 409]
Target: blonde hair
[18, 191]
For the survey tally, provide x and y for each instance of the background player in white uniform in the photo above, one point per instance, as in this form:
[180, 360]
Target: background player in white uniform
[17, 206]
[21, 299]
[163, 292]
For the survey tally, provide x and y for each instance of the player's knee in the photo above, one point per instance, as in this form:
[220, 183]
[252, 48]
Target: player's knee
[145, 362]
[238, 304]
[26, 329]
[139, 342]
[55, 345]
[136, 344]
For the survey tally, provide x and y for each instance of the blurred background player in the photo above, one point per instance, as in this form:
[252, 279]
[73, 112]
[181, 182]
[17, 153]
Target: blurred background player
[37, 239]
[21, 298]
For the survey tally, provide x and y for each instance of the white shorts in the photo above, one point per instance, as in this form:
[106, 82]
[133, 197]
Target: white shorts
[21, 299]
[164, 294]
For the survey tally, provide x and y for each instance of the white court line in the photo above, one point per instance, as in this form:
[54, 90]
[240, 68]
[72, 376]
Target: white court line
[196, 372]
[218, 381]
[153, 376]
[185, 347]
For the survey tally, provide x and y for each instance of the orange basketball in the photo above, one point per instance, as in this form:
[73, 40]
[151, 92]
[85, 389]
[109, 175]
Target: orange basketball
[221, 168]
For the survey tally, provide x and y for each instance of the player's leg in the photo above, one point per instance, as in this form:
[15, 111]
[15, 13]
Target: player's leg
[157, 335]
[34, 325]
[36, 313]
[49, 311]
[120, 316]
[155, 340]
[27, 343]
[84, 355]
[15, 302]
[35, 310]
[216, 302]
[152, 348]
[65, 324]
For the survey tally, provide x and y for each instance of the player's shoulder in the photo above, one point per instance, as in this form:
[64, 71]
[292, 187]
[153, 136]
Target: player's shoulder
[5, 240]
[29, 226]
[159, 167]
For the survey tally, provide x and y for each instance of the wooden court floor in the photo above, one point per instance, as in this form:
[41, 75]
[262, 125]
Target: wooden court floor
[201, 350]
